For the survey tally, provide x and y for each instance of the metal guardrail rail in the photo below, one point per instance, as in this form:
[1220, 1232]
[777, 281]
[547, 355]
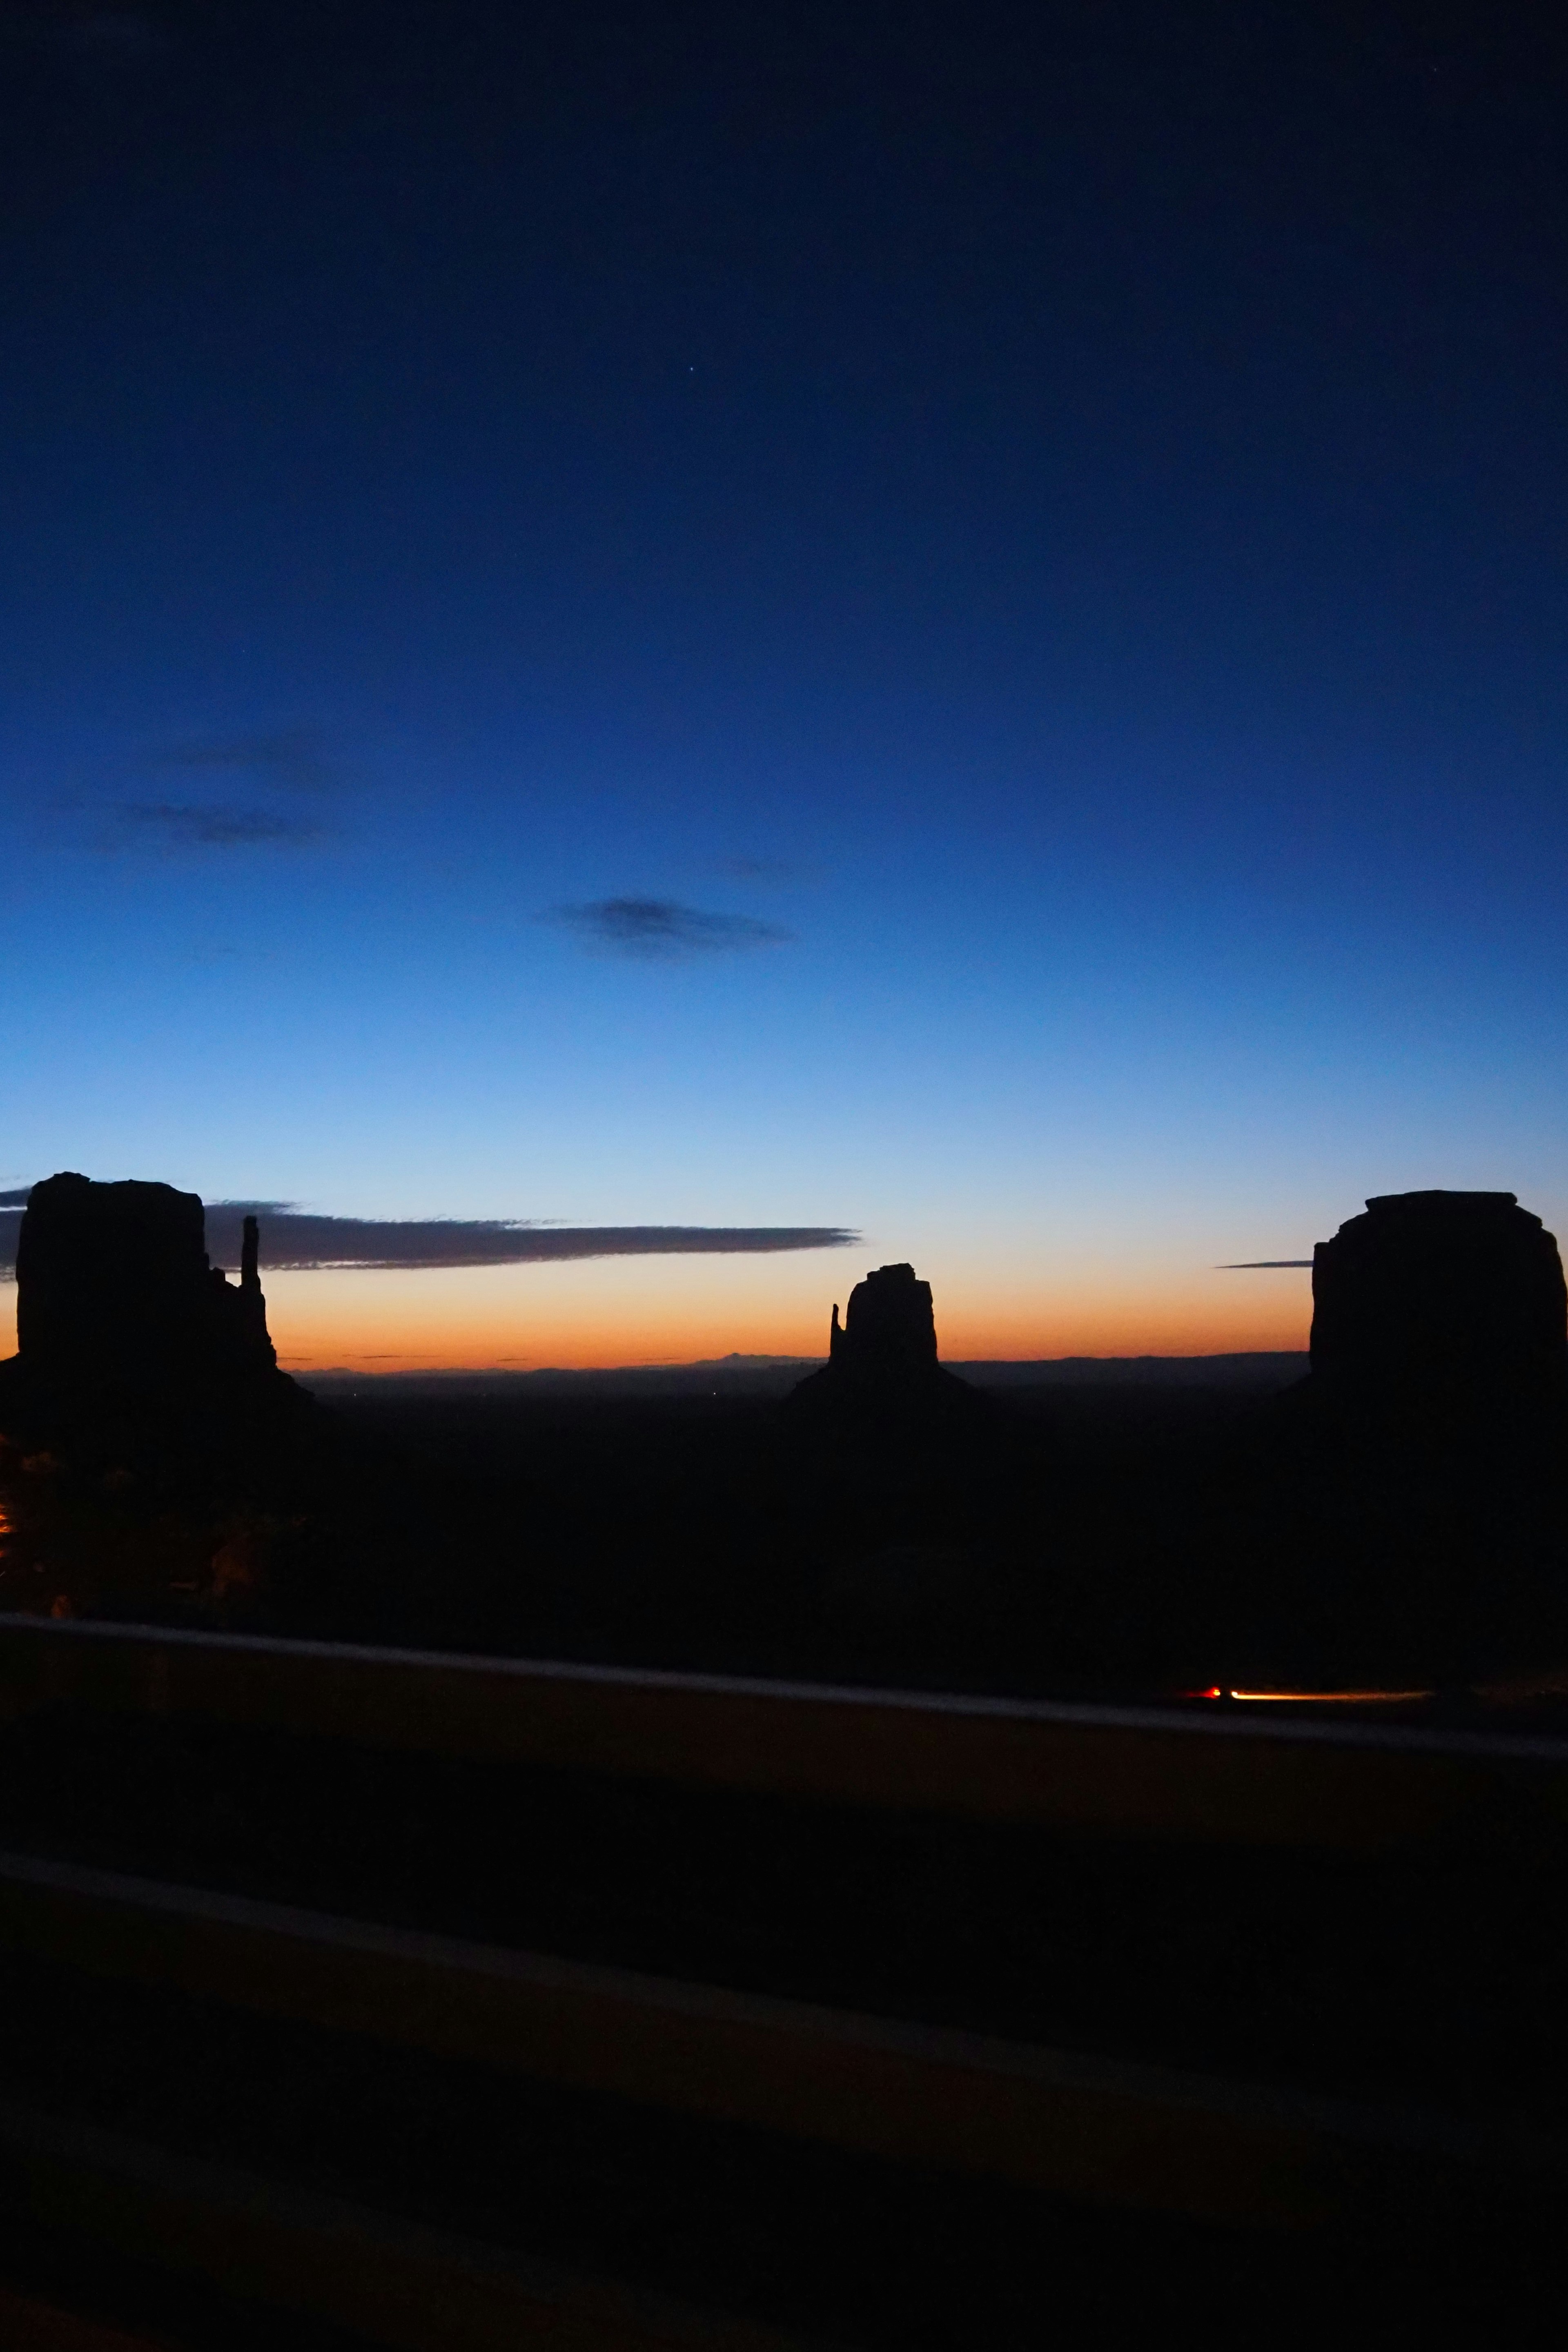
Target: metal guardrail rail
[1094, 2128]
[1190, 2148]
[1103, 1770]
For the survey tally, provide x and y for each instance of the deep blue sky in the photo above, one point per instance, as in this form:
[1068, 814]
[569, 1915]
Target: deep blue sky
[1060, 510]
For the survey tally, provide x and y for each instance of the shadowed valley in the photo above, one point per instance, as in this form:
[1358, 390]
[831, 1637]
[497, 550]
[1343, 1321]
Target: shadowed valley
[1393, 1517]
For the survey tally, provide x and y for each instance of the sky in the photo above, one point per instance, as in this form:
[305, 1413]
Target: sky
[936, 624]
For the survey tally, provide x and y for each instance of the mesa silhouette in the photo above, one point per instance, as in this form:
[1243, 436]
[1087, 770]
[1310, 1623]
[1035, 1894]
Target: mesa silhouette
[120, 1318]
[1446, 1306]
[1409, 1497]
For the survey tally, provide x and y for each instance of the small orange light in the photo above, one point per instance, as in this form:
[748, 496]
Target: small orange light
[1329, 1697]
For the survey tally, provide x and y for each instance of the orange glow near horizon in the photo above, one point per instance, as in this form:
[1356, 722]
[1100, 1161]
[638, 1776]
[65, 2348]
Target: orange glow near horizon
[663, 1310]
[603, 1312]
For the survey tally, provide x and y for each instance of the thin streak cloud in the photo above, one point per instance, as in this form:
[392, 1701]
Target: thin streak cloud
[661, 930]
[293, 1240]
[293, 756]
[214, 825]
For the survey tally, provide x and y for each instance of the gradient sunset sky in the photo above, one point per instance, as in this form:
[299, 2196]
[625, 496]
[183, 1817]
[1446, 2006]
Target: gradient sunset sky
[942, 621]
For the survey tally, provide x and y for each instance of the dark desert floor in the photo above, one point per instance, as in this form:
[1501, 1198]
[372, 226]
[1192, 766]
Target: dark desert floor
[1113, 1530]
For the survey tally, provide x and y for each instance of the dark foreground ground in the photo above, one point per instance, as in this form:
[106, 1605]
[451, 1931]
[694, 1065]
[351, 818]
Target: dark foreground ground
[1142, 1529]
[1145, 1531]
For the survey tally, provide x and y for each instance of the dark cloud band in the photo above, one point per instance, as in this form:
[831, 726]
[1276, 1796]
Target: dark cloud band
[291, 1240]
[1258, 1264]
[291, 757]
[212, 826]
[661, 931]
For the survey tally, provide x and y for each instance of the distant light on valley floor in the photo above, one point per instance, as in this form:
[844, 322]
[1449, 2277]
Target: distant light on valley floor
[1320, 1697]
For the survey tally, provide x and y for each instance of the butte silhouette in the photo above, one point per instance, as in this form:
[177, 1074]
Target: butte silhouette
[1419, 1497]
[123, 1326]
[1446, 1311]
[882, 1373]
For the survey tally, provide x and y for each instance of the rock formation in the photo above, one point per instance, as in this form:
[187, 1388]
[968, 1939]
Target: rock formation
[1442, 1305]
[882, 1361]
[890, 1327]
[118, 1308]
[1418, 1489]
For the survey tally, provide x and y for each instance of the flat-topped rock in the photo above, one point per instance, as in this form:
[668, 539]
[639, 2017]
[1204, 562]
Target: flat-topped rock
[889, 1325]
[882, 1378]
[116, 1298]
[1438, 1295]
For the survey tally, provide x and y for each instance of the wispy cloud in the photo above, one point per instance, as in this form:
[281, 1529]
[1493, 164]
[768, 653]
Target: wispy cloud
[661, 930]
[181, 824]
[240, 792]
[291, 757]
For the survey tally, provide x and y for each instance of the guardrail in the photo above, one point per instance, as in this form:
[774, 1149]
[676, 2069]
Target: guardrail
[1076, 2126]
[1095, 2129]
[1105, 1771]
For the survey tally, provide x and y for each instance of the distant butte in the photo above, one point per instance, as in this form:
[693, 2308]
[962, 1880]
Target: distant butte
[882, 1360]
[890, 1327]
[1443, 1303]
